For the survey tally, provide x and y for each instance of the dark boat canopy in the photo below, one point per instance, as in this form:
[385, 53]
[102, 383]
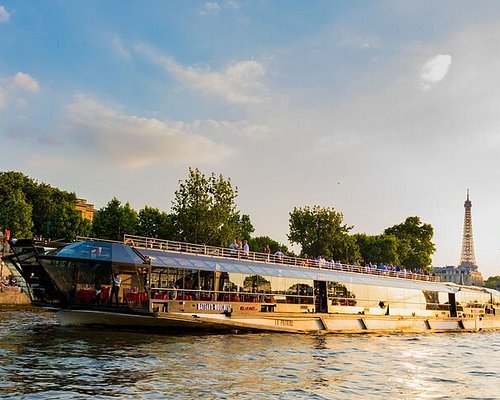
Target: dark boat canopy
[99, 250]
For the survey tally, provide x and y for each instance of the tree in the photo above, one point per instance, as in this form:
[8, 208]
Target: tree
[15, 210]
[258, 243]
[320, 232]
[15, 215]
[245, 227]
[492, 282]
[415, 246]
[155, 223]
[67, 223]
[45, 199]
[115, 220]
[42, 198]
[378, 248]
[204, 210]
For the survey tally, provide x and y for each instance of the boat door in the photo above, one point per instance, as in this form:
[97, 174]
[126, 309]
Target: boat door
[453, 304]
[320, 297]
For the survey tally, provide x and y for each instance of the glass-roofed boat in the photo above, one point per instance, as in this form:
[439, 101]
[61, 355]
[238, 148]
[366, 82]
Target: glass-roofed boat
[144, 282]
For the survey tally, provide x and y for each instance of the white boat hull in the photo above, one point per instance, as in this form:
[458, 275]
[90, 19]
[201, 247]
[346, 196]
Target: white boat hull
[315, 323]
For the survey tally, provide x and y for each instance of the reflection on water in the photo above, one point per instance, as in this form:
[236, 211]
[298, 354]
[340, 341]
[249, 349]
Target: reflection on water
[41, 360]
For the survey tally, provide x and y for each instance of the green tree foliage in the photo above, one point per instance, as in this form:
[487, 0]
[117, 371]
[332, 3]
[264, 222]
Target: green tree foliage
[155, 223]
[204, 210]
[492, 282]
[67, 223]
[46, 204]
[415, 246]
[257, 244]
[15, 214]
[320, 232]
[245, 227]
[378, 249]
[114, 220]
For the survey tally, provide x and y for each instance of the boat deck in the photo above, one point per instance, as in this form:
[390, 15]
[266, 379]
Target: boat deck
[140, 242]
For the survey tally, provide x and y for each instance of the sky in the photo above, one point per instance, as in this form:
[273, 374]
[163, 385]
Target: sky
[378, 109]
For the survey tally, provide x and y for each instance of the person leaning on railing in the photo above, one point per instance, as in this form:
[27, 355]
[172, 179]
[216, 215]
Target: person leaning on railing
[233, 248]
[278, 256]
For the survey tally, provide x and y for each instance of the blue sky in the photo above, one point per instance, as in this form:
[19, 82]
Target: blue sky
[381, 110]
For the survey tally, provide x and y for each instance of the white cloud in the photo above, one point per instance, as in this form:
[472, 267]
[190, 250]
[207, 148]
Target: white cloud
[9, 89]
[135, 141]
[120, 49]
[238, 83]
[4, 14]
[243, 128]
[210, 8]
[435, 70]
[3, 98]
[214, 7]
[232, 4]
[26, 82]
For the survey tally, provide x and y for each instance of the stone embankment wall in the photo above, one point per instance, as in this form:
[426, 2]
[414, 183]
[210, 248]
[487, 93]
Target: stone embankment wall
[13, 296]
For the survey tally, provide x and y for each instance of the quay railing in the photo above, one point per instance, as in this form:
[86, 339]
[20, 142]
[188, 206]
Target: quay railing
[276, 258]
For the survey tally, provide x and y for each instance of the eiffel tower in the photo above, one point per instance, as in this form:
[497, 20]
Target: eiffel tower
[468, 259]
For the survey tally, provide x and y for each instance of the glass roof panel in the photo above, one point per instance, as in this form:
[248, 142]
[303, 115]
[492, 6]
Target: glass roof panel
[86, 250]
[95, 250]
[190, 261]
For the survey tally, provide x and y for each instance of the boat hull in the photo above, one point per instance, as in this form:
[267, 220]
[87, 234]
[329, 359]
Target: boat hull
[315, 323]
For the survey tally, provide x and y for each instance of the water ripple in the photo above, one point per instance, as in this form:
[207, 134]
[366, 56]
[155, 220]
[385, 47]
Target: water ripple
[41, 360]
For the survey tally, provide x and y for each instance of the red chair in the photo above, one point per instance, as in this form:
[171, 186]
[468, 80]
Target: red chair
[104, 294]
[89, 295]
[79, 296]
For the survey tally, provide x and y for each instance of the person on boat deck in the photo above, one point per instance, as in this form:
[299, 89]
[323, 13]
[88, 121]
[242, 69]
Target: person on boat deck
[246, 249]
[278, 256]
[266, 250]
[116, 283]
[233, 248]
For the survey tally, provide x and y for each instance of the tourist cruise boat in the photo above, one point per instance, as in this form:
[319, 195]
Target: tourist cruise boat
[183, 286]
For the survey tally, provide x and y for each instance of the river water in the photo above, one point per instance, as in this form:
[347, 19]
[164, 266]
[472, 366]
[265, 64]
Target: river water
[41, 360]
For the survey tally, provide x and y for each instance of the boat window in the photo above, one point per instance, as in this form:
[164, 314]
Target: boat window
[472, 298]
[93, 274]
[62, 273]
[340, 294]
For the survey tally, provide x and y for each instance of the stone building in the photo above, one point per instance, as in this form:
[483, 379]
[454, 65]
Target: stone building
[461, 275]
[85, 209]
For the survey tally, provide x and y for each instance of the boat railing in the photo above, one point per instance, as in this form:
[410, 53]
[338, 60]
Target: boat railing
[93, 239]
[276, 258]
